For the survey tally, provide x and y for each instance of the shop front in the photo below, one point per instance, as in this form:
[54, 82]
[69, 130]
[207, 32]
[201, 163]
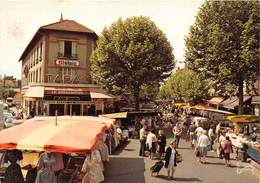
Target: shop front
[66, 101]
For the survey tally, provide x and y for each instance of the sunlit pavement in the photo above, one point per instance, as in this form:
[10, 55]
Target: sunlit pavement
[127, 167]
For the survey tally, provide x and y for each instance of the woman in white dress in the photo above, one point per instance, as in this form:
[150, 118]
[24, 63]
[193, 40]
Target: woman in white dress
[170, 159]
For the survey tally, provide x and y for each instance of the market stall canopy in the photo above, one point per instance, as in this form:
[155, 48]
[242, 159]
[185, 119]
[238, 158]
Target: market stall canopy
[244, 119]
[115, 115]
[97, 95]
[201, 107]
[35, 92]
[256, 100]
[180, 104]
[42, 134]
[220, 111]
[216, 100]
[233, 102]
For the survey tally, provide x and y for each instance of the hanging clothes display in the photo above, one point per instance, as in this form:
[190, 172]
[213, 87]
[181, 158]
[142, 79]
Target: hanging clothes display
[45, 173]
[86, 170]
[96, 170]
[59, 164]
[103, 151]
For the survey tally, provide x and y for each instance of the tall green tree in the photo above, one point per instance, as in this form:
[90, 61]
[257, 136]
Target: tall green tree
[131, 54]
[223, 44]
[184, 86]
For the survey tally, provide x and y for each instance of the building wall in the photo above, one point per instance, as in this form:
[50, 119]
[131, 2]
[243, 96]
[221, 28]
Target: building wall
[34, 62]
[43, 68]
[83, 52]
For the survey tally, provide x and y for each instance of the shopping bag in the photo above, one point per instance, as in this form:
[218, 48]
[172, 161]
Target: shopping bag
[179, 158]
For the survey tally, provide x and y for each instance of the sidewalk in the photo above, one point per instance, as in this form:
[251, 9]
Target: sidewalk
[128, 167]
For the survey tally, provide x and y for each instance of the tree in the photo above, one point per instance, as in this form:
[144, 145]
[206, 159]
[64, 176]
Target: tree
[184, 86]
[223, 44]
[149, 92]
[130, 54]
[8, 93]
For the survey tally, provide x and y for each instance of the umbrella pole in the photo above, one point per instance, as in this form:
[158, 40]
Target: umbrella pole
[56, 116]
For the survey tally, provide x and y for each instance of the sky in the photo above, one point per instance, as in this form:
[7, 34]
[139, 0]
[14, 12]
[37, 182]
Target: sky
[20, 19]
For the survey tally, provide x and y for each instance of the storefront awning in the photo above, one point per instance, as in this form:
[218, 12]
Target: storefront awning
[35, 92]
[66, 91]
[256, 100]
[96, 95]
[233, 102]
[216, 100]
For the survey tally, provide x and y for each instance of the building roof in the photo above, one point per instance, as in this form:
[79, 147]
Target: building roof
[63, 25]
[68, 25]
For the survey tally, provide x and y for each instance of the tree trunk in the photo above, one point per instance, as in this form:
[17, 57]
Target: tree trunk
[240, 97]
[136, 98]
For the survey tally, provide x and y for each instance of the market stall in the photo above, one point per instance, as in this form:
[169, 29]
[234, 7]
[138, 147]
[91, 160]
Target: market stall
[67, 143]
[244, 135]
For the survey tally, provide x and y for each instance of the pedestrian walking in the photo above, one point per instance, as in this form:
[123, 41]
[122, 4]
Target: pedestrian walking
[142, 136]
[211, 138]
[170, 159]
[151, 142]
[199, 131]
[227, 150]
[177, 134]
[202, 146]
[192, 135]
[161, 143]
[221, 140]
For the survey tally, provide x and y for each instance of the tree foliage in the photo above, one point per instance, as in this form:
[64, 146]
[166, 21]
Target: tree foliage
[223, 44]
[184, 86]
[131, 54]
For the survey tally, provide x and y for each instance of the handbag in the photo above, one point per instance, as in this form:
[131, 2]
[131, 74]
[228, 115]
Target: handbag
[197, 152]
[179, 158]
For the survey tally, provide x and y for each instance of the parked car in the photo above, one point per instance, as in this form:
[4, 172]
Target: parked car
[8, 120]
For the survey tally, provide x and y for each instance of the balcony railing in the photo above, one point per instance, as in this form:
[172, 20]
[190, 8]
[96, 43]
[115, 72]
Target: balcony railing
[72, 56]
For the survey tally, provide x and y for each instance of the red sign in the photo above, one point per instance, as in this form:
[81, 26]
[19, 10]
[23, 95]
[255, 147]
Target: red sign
[67, 63]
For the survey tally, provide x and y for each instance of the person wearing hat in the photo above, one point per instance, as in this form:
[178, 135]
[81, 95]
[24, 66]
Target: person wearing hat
[170, 159]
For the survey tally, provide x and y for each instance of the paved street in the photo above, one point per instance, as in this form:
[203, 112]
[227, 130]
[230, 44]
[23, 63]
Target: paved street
[128, 167]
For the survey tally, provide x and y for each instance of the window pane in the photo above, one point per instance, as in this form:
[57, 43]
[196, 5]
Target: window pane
[68, 48]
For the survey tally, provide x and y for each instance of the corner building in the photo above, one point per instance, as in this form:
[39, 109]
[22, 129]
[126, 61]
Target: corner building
[56, 72]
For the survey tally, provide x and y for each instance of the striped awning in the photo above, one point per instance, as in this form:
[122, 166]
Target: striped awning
[216, 100]
[71, 134]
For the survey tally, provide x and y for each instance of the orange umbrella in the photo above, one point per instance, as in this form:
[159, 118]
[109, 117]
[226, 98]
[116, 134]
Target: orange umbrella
[43, 134]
